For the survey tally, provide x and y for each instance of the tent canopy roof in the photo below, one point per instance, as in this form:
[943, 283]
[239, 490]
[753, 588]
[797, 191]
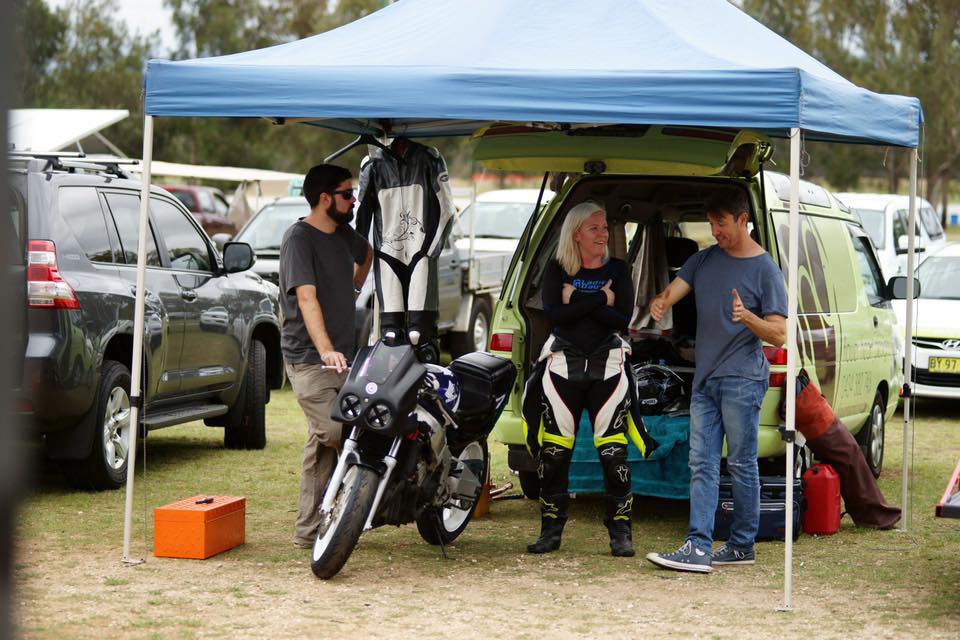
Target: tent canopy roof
[448, 67]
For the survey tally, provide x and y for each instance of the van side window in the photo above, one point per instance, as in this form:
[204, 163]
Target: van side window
[186, 247]
[900, 228]
[867, 265]
[931, 223]
[80, 207]
[126, 215]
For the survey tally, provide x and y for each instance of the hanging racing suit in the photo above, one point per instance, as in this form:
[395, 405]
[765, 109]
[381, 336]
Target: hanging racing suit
[405, 191]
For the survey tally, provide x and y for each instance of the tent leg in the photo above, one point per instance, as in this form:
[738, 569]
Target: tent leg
[908, 345]
[138, 323]
[792, 271]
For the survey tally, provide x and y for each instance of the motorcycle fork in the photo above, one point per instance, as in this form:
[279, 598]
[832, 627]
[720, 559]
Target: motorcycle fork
[389, 461]
[349, 447]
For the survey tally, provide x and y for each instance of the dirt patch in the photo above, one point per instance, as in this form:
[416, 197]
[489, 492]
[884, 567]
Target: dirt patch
[396, 586]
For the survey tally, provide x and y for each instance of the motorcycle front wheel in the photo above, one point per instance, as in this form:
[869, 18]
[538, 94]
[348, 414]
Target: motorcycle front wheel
[443, 525]
[341, 528]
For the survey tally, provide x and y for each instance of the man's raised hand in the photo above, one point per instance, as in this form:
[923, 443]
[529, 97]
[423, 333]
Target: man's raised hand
[738, 309]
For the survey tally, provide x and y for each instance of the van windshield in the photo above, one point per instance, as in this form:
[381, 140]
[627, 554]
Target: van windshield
[496, 219]
[872, 221]
[265, 231]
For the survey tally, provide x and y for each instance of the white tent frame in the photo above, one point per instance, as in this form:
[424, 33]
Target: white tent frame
[792, 277]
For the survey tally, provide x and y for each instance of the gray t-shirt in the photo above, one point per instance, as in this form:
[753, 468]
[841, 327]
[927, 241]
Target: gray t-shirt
[725, 347]
[325, 260]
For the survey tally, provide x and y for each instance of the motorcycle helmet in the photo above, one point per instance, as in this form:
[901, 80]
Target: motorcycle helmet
[446, 384]
[658, 389]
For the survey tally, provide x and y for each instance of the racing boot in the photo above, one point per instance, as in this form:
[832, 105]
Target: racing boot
[553, 515]
[618, 522]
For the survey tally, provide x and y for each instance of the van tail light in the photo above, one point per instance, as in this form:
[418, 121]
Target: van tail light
[46, 289]
[776, 355]
[501, 342]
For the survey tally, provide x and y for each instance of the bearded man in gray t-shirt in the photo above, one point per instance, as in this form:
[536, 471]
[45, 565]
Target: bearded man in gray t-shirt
[323, 264]
[741, 303]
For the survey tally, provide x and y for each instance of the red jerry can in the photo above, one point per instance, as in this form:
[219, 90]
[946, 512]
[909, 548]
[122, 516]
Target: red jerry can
[822, 491]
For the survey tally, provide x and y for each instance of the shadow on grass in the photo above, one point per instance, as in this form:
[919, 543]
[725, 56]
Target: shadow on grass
[163, 453]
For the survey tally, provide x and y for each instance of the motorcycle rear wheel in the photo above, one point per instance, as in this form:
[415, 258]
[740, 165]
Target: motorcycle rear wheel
[443, 525]
[341, 529]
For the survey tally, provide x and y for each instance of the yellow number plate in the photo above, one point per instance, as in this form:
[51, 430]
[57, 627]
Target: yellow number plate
[944, 365]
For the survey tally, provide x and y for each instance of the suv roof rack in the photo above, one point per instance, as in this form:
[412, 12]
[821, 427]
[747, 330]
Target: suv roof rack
[70, 161]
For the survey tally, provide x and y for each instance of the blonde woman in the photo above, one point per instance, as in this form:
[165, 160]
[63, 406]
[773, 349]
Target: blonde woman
[588, 300]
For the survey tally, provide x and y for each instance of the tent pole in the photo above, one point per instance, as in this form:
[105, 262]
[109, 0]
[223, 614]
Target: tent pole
[137, 357]
[908, 345]
[793, 260]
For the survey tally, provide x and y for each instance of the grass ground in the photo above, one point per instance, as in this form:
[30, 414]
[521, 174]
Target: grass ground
[71, 582]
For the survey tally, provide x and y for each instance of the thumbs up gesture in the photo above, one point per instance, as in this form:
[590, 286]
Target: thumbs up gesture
[738, 310]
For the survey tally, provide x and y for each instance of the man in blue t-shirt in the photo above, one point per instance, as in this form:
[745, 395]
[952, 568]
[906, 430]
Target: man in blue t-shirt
[741, 303]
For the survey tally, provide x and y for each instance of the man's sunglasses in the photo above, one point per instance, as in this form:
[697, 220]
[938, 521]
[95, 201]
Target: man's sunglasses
[346, 194]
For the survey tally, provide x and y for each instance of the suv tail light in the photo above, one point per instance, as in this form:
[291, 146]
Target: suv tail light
[46, 289]
[776, 355]
[501, 342]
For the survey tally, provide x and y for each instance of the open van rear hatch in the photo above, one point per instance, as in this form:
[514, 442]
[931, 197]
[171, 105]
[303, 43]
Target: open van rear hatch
[623, 149]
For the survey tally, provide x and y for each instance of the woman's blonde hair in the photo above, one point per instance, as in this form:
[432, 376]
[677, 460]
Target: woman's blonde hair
[568, 253]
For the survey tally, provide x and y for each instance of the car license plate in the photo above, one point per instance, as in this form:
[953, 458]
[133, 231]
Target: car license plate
[944, 365]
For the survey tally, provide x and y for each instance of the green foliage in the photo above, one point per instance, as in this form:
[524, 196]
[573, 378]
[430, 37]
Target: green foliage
[36, 44]
[907, 47]
[83, 57]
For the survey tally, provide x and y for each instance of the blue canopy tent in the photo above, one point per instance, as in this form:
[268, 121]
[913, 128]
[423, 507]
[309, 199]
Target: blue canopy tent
[448, 67]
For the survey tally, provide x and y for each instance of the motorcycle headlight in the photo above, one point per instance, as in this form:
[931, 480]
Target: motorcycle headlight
[350, 406]
[378, 416]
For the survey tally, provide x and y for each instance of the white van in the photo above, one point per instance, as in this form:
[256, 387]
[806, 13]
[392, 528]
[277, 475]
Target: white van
[501, 218]
[884, 217]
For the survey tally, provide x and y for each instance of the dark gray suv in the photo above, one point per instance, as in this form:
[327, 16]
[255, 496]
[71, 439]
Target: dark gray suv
[212, 337]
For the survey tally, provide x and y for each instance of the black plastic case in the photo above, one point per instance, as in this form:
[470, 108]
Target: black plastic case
[773, 508]
[485, 384]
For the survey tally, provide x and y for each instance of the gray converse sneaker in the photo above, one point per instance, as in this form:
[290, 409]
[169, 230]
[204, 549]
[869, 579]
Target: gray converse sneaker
[686, 558]
[728, 555]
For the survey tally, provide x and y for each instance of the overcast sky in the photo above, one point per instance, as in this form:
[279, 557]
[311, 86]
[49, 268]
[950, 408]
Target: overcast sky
[143, 16]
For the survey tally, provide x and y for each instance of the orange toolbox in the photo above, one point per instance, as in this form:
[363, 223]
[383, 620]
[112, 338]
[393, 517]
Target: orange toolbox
[198, 527]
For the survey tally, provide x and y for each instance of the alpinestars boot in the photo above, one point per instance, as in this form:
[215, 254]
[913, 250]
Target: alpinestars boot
[553, 516]
[618, 522]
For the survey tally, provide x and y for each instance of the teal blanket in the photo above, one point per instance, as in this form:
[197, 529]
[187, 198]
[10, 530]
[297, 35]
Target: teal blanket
[665, 474]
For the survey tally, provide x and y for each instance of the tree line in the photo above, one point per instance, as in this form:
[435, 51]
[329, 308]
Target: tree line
[82, 55]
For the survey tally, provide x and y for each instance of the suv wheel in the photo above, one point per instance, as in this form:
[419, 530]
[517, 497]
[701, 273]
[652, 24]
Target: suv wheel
[477, 335]
[246, 425]
[871, 436]
[105, 467]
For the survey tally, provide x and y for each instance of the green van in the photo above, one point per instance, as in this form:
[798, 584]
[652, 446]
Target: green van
[654, 182]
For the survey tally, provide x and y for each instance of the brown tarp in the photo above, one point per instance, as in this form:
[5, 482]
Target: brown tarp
[831, 442]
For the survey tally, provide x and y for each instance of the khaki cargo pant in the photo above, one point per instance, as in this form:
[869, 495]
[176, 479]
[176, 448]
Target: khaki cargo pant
[315, 389]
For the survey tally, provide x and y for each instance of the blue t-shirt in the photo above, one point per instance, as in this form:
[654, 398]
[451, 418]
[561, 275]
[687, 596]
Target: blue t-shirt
[725, 347]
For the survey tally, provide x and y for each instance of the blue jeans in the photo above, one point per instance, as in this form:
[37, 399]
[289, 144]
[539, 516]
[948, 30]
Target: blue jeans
[725, 405]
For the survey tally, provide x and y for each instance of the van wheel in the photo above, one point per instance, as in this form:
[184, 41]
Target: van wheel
[871, 436]
[105, 467]
[477, 335]
[246, 421]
